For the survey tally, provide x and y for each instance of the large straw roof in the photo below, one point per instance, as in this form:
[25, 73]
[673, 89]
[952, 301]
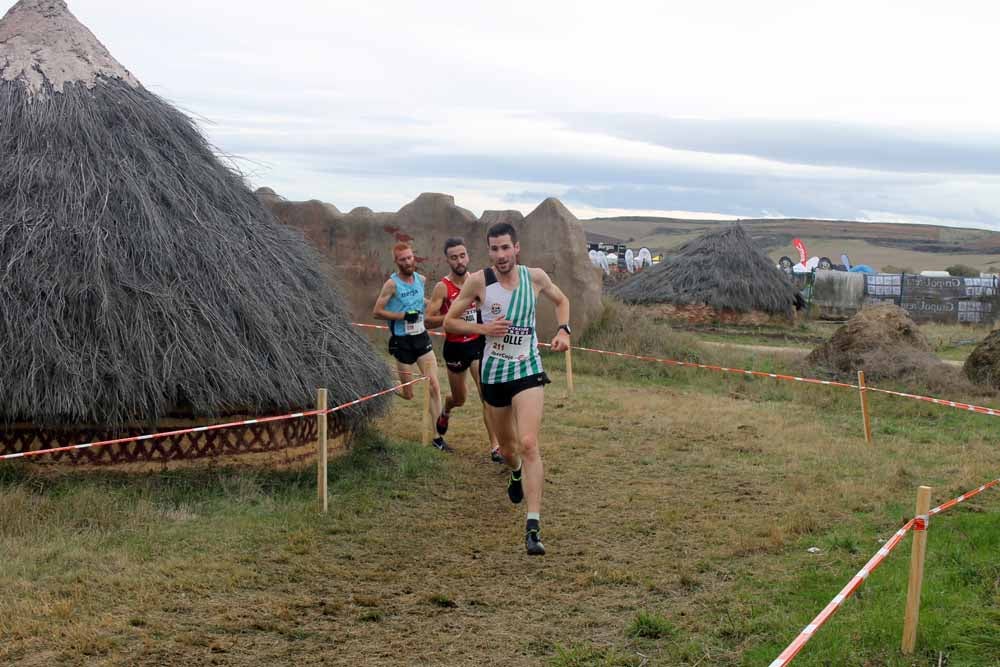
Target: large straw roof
[722, 269]
[139, 276]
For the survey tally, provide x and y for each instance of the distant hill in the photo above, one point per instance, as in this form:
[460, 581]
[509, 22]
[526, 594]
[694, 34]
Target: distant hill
[916, 247]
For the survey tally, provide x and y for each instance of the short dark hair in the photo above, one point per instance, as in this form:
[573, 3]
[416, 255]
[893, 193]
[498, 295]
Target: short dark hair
[452, 242]
[501, 228]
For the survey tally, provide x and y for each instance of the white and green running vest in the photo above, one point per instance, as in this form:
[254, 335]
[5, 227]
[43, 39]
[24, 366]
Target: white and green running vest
[514, 355]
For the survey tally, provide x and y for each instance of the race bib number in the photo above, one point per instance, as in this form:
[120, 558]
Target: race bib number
[516, 344]
[414, 328]
[471, 315]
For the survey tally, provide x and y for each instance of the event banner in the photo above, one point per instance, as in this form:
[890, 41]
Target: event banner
[937, 299]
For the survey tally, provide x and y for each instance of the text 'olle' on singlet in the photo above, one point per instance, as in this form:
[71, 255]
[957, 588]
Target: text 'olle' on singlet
[407, 297]
[514, 355]
[471, 313]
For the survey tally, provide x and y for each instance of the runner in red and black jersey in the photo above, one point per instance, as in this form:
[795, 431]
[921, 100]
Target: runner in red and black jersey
[461, 352]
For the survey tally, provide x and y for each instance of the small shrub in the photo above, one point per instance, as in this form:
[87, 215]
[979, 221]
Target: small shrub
[443, 601]
[963, 270]
[891, 268]
[650, 626]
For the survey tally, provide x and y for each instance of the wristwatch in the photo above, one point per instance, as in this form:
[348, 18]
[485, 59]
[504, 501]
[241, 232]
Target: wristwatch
[565, 327]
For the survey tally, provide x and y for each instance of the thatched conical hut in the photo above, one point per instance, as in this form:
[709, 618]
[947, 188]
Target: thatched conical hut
[141, 281]
[722, 271]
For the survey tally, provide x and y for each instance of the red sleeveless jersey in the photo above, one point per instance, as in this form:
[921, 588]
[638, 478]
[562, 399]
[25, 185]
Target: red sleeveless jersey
[470, 315]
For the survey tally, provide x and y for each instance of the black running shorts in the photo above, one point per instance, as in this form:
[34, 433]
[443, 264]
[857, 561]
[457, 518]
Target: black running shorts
[407, 349]
[500, 395]
[459, 356]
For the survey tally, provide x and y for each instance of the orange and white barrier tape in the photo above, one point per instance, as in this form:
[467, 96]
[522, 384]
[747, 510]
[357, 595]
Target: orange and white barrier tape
[940, 401]
[917, 523]
[673, 362]
[944, 507]
[212, 427]
[723, 369]
[993, 412]
[847, 591]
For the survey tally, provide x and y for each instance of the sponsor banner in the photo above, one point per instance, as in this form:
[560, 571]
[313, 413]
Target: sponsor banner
[936, 299]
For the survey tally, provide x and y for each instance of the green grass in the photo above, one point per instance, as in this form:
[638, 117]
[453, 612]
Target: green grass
[711, 488]
[583, 655]
[650, 625]
[83, 548]
[960, 610]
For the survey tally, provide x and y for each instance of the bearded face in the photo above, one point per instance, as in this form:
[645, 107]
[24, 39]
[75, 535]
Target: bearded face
[406, 262]
[458, 260]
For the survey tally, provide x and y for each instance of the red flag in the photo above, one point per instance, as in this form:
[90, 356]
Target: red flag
[801, 247]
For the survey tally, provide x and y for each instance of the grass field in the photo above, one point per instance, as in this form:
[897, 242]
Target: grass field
[679, 509]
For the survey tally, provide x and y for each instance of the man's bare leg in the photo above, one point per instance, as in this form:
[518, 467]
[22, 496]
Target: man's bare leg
[407, 372]
[457, 397]
[502, 420]
[428, 367]
[494, 443]
[527, 407]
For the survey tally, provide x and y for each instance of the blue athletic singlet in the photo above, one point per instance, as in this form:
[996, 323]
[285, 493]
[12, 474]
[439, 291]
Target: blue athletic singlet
[407, 297]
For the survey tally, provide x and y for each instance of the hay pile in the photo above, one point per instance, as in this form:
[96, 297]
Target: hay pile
[883, 341]
[722, 269]
[983, 365]
[139, 276]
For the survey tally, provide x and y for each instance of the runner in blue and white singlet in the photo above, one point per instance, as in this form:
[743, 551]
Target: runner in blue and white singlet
[513, 356]
[401, 302]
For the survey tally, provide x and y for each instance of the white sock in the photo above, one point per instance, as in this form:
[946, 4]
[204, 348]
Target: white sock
[537, 516]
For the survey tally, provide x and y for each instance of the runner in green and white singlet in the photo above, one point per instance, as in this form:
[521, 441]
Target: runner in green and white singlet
[512, 376]
[513, 356]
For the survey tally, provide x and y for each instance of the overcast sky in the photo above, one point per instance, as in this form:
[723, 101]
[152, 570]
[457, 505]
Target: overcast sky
[876, 110]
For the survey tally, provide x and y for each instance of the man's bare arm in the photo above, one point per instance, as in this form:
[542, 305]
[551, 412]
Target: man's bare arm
[433, 318]
[379, 312]
[453, 322]
[552, 292]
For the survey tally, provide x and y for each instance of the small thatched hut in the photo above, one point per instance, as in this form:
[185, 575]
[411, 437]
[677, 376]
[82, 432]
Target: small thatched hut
[141, 281]
[721, 272]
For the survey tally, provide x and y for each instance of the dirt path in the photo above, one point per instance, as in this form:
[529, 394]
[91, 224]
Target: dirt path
[652, 503]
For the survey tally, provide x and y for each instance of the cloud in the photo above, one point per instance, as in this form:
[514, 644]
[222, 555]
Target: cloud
[368, 104]
[538, 157]
[820, 143]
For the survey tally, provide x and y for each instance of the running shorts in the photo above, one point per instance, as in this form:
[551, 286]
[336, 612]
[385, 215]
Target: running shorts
[499, 395]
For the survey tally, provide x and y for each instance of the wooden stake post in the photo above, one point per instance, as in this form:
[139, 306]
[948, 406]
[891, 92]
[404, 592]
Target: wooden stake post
[321, 462]
[866, 420]
[425, 434]
[916, 570]
[569, 372]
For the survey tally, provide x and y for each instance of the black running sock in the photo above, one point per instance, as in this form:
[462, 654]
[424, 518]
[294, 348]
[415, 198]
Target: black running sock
[532, 525]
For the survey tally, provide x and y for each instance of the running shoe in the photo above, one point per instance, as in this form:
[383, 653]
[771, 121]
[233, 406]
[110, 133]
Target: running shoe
[533, 543]
[442, 424]
[496, 456]
[439, 443]
[514, 489]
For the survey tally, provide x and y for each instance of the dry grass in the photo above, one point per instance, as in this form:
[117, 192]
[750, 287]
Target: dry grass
[665, 497]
